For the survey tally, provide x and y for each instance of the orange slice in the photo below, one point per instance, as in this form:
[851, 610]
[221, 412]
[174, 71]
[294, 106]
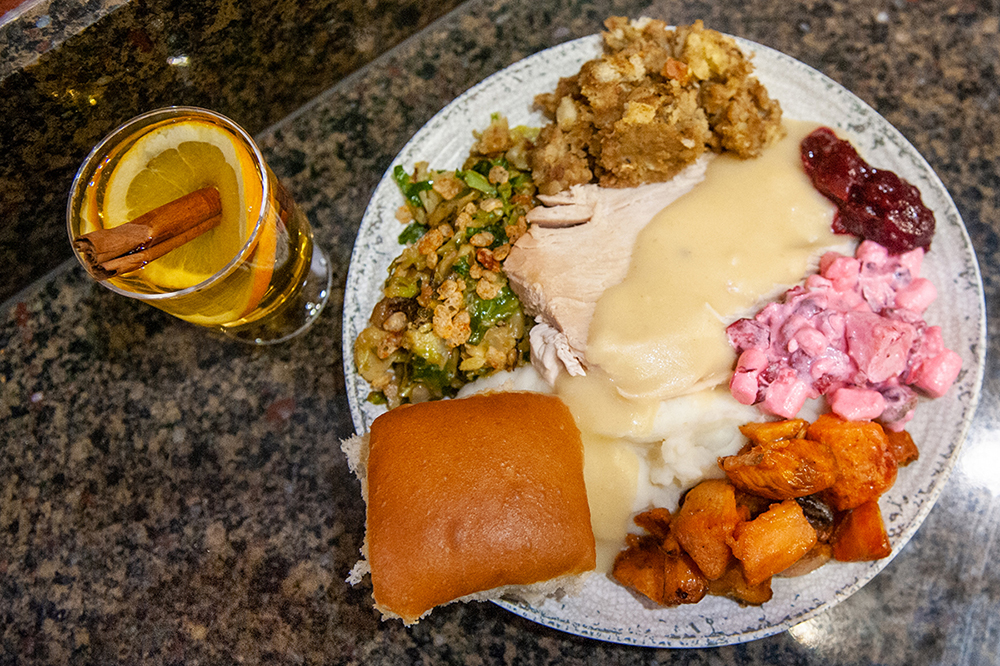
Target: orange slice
[263, 262]
[171, 161]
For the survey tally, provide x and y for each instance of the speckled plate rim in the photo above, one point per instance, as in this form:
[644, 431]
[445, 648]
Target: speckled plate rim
[604, 610]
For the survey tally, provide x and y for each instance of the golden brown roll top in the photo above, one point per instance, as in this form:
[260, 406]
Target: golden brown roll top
[474, 494]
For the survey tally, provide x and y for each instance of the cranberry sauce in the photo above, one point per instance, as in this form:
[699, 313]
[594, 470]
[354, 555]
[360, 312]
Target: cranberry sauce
[873, 204]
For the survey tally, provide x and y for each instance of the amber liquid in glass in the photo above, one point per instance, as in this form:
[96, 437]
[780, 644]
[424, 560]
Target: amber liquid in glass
[272, 286]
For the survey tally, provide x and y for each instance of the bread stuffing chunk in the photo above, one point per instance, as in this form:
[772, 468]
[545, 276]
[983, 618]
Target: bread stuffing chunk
[650, 106]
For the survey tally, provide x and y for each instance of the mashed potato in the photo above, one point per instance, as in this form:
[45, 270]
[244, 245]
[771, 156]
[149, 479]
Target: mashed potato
[688, 436]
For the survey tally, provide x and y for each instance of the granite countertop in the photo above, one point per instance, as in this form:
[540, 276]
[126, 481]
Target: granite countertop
[73, 70]
[168, 496]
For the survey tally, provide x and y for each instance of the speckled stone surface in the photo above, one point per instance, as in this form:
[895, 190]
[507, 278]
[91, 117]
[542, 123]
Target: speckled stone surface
[170, 497]
[73, 70]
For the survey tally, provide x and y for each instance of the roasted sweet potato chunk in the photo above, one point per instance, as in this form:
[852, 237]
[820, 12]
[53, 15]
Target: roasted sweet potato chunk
[866, 467]
[774, 431]
[682, 581]
[820, 554]
[860, 535]
[640, 566]
[750, 506]
[733, 584]
[903, 449]
[660, 571]
[773, 541]
[705, 521]
[655, 521]
[782, 469]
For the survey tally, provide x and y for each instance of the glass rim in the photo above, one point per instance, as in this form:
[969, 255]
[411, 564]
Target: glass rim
[149, 117]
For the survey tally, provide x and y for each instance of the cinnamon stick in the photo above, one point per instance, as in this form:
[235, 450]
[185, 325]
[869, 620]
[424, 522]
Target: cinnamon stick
[128, 247]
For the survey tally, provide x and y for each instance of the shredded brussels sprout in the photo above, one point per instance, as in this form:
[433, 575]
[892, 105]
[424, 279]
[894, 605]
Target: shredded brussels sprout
[448, 316]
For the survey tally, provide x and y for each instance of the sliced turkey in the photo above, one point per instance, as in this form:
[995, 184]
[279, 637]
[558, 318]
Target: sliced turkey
[580, 244]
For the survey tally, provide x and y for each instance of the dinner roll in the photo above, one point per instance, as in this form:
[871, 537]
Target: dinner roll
[472, 498]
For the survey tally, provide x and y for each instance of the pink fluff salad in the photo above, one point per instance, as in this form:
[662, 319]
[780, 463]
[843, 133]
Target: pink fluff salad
[853, 333]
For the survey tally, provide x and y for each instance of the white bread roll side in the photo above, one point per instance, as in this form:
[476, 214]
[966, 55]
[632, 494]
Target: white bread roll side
[472, 499]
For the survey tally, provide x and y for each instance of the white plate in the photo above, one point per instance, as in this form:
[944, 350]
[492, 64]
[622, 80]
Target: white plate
[605, 610]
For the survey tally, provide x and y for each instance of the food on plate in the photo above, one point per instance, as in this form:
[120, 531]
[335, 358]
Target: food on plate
[866, 467]
[734, 585]
[902, 447]
[739, 535]
[750, 229]
[861, 535]
[782, 467]
[646, 307]
[704, 524]
[472, 498]
[657, 567]
[577, 246]
[656, 243]
[773, 541]
[653, 424]
[853, 333]
[873, 204]
[655, 101]
[447, 315]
